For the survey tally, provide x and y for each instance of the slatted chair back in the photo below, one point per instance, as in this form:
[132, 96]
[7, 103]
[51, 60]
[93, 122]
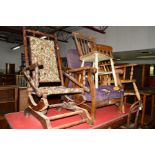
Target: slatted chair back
[105, 66]
[125, 72]
[84, 44]
[105, 49]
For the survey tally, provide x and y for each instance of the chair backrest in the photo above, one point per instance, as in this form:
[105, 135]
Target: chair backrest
[105, 66]
[105, 49]
[84, 44]
[73, 59]
[125, 73]
[45, 53]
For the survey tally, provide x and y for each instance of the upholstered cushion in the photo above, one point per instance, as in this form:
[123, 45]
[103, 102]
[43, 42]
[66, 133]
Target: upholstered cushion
[73, 59]
[43, 52]
[106, 92]
[60, 90]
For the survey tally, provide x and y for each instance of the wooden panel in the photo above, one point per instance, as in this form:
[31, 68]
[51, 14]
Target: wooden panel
[8, 103]
[3, 123]
[9, 79]
[8, 99]
[23, 98]
[150, 81]
[10, 68]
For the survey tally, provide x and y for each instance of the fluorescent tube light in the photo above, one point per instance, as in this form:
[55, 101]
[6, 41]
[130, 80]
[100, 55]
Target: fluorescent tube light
[146, 56]
[15, 48]
[43, 37]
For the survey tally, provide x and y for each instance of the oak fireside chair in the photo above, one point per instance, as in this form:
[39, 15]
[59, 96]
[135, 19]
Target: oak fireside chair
[108, 94]
[45, 78]
[105, 94]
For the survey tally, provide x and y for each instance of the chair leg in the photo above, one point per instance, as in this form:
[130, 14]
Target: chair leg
[41, 105]
[40, 116]
[113, 72]
[121, 106]
[46, 121]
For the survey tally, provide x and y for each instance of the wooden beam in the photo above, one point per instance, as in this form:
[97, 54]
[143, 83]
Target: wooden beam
[60, 29]
[17, 31]
[10, 30]
[94, 29]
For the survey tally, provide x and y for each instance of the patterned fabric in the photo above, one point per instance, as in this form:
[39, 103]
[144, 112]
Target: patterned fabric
[73, 59]
[106, 93]
[43, 52]
[60, 90]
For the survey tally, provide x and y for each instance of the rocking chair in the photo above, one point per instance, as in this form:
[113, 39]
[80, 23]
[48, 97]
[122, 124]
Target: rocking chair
[45, 78]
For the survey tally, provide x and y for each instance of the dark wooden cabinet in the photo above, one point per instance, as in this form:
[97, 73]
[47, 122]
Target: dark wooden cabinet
[22, 98]
[7, 79]
[8, 102]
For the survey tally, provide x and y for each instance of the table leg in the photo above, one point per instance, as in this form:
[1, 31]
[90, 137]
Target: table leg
[143, 110]
[152, 106]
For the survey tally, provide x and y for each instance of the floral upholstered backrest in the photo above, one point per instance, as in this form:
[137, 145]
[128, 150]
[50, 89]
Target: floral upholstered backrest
[43, 52]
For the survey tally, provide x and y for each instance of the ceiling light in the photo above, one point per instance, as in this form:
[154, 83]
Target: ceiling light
[15, 48]
[146, 56]
[145, 52]
[118, 59]
[43, 37]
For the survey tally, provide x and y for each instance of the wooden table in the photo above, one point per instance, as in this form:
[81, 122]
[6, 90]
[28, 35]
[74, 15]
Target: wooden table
[106, 117]
[145, 93]
[8, 102]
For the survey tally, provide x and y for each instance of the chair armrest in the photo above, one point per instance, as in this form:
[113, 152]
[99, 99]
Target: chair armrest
[88, 69]
[123, 66]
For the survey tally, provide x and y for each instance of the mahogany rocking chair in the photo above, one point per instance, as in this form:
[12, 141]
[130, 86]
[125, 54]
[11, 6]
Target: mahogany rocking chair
[45, 77]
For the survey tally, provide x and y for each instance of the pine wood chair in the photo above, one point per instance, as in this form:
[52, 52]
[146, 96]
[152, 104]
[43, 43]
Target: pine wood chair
[89, 52]
[45, 78]
[125, 76]
[105, 66]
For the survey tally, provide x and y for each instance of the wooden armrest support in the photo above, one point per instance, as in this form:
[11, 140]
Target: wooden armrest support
[31, 83]
[33, 66]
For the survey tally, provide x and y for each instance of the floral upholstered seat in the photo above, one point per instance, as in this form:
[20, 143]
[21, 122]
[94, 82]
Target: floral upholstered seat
[60, 90]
